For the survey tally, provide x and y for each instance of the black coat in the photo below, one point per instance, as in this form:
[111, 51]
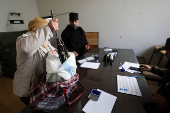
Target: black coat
[70, 43]
[164, 90]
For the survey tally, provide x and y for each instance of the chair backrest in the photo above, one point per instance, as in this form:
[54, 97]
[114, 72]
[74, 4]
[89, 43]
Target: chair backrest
[92, 39]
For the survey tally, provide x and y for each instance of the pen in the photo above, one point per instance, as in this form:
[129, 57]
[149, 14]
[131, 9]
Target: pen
[122, 67]
[133, 76]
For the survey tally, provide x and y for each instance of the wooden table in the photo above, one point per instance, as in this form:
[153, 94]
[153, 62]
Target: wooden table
[105, 78]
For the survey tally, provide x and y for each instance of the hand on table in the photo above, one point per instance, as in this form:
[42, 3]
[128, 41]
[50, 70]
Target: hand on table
[145, 67]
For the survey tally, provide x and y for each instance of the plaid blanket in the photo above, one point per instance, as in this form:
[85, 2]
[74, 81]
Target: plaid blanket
[50, 96]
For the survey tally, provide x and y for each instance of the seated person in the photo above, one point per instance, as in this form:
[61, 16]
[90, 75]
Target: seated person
[32, 50]
[161, 99]
[74, 37]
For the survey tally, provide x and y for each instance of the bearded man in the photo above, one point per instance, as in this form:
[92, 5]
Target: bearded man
[74, 37]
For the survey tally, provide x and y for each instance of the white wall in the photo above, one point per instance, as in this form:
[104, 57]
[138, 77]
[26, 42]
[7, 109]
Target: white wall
[133, 24]
[27, 8]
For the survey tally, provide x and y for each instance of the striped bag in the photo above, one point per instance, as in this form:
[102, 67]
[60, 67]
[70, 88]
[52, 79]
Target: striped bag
[50, 96]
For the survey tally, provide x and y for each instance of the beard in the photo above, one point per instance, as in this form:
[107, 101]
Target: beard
[75, 27]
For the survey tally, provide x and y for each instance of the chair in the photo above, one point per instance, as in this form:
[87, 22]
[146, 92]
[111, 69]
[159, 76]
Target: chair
[92, 39]
[155, 50]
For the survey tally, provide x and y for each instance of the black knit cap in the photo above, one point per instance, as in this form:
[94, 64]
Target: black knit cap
[73, 16]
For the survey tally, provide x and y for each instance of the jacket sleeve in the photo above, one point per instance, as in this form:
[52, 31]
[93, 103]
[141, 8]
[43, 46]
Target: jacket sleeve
[30, 42]
[65, 38]
[158, 71]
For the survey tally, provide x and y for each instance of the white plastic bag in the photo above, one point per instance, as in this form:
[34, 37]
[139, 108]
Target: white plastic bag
[57, 71]
[52, 63]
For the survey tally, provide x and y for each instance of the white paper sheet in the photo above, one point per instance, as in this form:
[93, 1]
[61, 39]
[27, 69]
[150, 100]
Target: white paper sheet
[127, 65]
[128, 85]
[89, 58]
[82, 61]
[104, 104]
[91, 65]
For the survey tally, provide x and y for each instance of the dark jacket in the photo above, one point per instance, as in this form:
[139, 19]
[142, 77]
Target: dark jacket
[69, 42]
[164, 90]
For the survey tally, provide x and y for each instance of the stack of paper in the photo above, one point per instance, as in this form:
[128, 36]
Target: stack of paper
[89, 58]
[127, 65]
[128, 85]
[86, 59]
[104, 104]
[91, 65]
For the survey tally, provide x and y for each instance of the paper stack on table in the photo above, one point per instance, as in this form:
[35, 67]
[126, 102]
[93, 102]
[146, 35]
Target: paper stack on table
[104, 104]
[91, 65]
[128, 85]
[86, 59]
[127, 65]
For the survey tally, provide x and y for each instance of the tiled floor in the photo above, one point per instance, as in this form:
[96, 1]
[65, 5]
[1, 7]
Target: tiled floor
[9, 103]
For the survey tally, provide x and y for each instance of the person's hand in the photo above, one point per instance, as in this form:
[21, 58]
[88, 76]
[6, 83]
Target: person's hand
[53, 24]
[87, 47]
[76, 54]
[159, 100]
[53, 52]
[145, 67]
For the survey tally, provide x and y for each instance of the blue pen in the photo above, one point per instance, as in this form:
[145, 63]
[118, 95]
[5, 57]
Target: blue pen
[122, 67]
[133, 76]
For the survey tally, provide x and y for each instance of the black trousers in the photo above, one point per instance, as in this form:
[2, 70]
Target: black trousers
[25, 100]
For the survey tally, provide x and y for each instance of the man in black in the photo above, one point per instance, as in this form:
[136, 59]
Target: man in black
[74, 37]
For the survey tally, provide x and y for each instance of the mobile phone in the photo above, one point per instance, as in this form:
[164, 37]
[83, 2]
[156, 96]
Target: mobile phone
[135, 68]
[94, 95]
[95, 92]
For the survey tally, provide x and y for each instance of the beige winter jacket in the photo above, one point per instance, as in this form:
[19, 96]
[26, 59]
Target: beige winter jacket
[31, 56]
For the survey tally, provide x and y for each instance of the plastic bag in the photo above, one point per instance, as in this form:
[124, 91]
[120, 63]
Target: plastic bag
[57, 71]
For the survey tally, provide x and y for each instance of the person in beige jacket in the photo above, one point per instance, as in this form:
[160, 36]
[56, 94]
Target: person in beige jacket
[32, 50]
